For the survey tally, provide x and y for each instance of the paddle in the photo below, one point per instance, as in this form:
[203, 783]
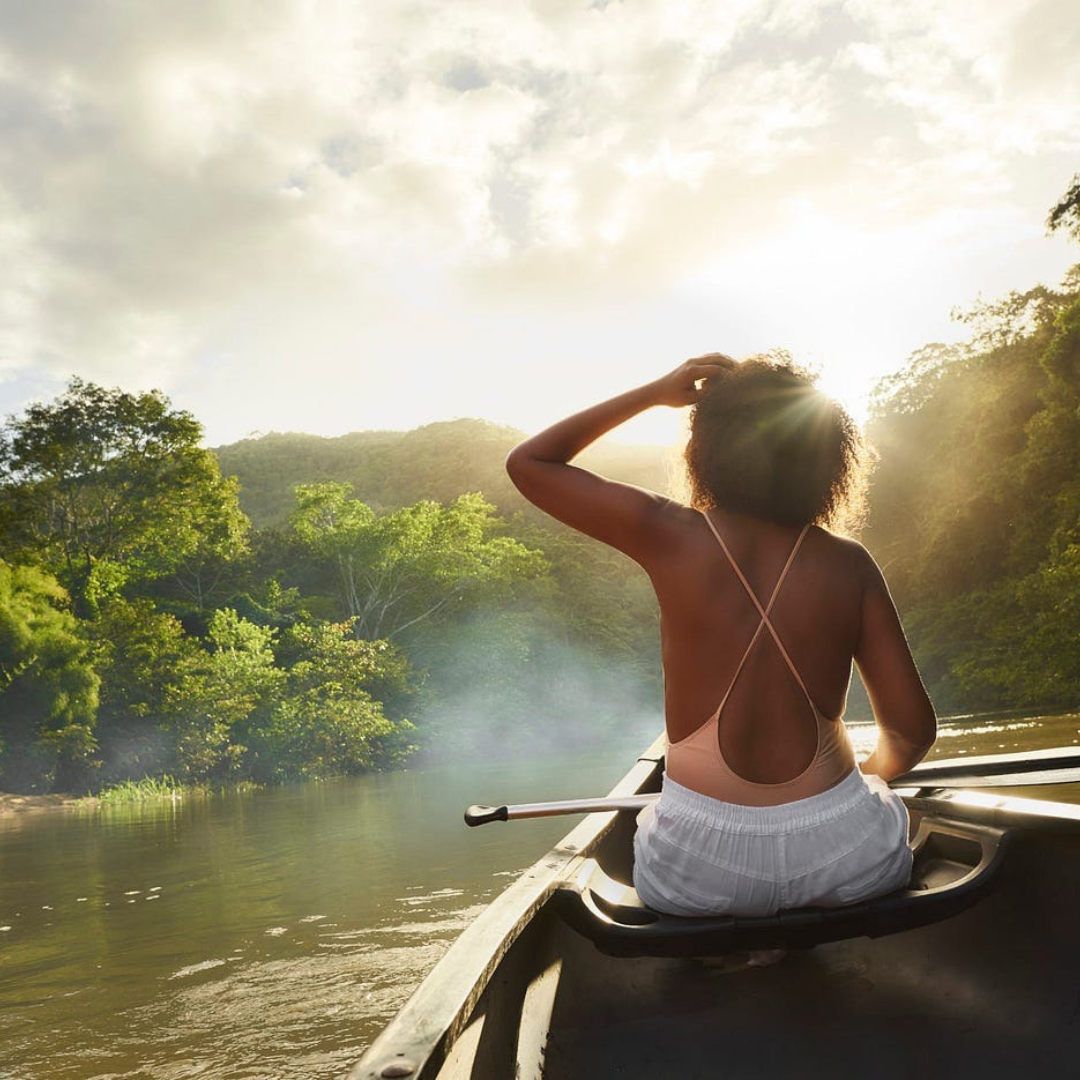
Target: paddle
[1057, 765]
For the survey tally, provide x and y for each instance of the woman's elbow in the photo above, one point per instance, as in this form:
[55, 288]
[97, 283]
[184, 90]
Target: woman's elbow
[928, 727]
[524, 470]
[517, 464]
[514, 459]
[922, 735]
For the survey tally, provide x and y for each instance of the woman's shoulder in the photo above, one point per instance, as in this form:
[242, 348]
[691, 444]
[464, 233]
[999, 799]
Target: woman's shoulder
[839, 542]
[845, 552]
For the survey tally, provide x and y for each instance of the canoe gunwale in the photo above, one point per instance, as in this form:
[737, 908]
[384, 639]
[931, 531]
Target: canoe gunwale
[990, 808]
[422, 1033]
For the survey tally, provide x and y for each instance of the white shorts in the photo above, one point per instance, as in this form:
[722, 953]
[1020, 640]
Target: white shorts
[695, 855]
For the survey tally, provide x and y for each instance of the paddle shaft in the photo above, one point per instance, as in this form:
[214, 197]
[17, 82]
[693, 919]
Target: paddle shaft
[1058, 765]
[481, 815]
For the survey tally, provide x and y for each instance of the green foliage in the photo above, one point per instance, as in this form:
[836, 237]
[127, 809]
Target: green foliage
[421, 563]
[143, 657]
[172, 704]
[326, 723]
[975, 510]
[243, 702]
[913, 386]
[48, 689]
[387, 469]
[221, 689]
[107, 488]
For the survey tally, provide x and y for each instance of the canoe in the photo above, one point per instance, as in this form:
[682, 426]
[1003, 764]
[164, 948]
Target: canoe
[970, 972]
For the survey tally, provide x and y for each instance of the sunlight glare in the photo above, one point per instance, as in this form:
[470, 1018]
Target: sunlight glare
[848, 389]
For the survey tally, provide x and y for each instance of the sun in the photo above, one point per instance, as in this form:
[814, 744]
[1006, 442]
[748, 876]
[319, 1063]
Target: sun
[848, 389]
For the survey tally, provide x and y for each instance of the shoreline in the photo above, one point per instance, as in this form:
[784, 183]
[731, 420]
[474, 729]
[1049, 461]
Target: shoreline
[11, 805]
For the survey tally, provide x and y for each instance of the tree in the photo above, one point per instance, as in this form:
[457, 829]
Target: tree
[144, 658]
[326, 721]
[416, 564]
[1065, 214]
[213, 567]
[172, 704]
[223, 689]
[975, 508]
[105, 488]
[48, 688]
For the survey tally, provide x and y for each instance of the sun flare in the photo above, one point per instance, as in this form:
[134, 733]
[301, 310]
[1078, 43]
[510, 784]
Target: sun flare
[848, 390]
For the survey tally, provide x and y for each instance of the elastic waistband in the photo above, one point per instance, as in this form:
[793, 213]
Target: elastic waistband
[733, 817]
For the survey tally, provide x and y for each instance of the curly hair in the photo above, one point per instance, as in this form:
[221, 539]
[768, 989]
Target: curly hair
[765, 441]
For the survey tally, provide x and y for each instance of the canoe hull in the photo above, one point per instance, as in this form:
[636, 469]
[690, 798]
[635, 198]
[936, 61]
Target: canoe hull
[989, 991]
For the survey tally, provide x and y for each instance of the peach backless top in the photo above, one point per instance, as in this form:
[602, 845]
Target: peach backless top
[697, 762]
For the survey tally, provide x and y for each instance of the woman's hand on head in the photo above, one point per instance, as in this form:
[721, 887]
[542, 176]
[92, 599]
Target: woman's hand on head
[684, 385]
[637, 522]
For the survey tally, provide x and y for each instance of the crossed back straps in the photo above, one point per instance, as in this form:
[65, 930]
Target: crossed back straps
[766, 622]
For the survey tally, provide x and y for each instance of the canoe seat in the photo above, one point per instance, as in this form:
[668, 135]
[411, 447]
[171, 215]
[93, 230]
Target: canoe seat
[955, 866]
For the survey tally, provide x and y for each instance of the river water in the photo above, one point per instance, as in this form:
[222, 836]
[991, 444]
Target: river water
[271, 934]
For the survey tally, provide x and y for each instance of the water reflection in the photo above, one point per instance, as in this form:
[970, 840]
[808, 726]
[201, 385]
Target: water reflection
[251, 934]
[271, 934]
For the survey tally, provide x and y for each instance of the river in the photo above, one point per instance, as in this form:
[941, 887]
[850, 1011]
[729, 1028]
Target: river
[271, 934]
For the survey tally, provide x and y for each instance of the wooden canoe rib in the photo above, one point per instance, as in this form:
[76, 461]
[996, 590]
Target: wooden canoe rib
[567, 975]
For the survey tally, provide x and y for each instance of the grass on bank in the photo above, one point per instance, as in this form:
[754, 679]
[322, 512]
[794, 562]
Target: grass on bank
[160, 789]
[149, 788]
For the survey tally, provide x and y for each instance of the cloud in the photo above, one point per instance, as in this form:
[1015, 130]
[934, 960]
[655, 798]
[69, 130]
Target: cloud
[1001, 80]
[336, 193]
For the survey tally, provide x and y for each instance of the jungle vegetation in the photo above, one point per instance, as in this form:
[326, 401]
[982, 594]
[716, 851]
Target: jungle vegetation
[300, 607]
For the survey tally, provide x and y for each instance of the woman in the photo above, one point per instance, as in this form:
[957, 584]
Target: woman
[762, 611]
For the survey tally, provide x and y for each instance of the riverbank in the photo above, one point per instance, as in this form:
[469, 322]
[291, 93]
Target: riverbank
[10, 805]
[126, 793]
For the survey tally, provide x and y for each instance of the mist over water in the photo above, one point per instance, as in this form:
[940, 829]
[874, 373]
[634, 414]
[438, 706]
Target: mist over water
[511, 686]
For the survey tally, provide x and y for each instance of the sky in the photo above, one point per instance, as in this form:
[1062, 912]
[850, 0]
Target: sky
[338, 215]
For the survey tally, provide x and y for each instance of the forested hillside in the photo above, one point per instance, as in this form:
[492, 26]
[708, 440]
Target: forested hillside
[390, 469]
[975, 507]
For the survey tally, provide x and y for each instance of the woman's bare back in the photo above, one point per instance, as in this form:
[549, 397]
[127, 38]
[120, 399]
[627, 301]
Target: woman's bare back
[768, 732]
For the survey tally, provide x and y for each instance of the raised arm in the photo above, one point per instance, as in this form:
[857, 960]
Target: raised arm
[907, 725]
[617, 514]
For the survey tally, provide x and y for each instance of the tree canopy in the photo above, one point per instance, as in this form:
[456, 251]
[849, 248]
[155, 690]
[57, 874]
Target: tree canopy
[48, 688]
[105, 488]
[423, 562]
[975, 508]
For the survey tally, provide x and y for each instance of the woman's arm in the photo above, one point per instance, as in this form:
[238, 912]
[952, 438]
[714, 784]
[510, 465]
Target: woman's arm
[907, 725]
[617, 514]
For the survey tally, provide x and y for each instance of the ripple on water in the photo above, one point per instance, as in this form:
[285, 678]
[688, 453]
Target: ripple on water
[436, 897]
[452, 923]
[194, 969]
[273, 1018]
[947, 732]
